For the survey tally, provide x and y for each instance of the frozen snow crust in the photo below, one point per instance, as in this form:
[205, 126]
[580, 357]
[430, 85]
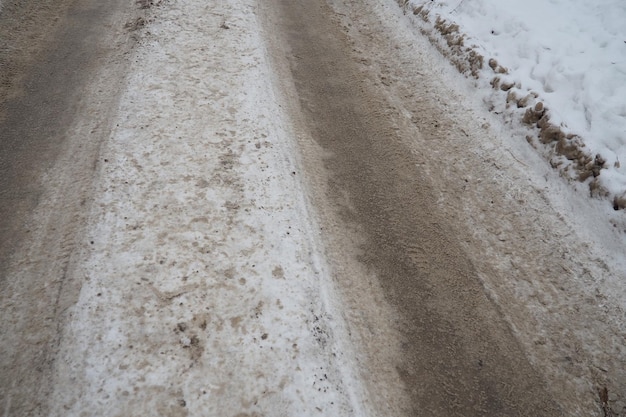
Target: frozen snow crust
[557, 67]
[205, 292]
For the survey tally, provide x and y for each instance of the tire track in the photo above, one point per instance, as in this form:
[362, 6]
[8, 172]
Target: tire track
[457, 355]
[62, 63]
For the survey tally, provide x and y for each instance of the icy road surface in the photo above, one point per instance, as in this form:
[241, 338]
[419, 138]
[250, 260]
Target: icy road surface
[296, 208]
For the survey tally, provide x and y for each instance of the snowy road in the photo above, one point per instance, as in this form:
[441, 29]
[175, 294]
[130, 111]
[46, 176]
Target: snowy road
[293, 208]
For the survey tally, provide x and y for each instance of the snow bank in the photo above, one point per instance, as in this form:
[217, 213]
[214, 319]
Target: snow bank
[570, 56]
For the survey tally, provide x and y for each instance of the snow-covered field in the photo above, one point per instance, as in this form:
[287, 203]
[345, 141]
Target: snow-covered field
[570, 55]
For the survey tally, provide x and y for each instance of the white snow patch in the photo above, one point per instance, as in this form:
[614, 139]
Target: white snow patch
[571, 52]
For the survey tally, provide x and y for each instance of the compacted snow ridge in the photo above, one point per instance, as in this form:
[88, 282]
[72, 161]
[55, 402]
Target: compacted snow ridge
[204, 290]
[558, 67]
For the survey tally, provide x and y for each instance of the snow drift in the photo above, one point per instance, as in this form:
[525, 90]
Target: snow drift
[558, 67]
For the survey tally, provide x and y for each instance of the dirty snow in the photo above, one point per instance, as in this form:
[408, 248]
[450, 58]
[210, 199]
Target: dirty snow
[204, 289]
[571, 52]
